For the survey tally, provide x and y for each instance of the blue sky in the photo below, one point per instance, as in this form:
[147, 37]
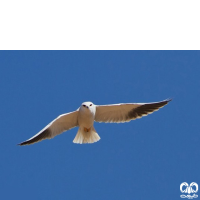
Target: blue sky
[146, 158]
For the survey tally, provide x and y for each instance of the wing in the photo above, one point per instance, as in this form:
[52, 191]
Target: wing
[60, 124]
[125, 112]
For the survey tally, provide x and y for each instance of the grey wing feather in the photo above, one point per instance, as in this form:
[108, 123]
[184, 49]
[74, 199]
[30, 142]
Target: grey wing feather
[125, 112]
[59, 125]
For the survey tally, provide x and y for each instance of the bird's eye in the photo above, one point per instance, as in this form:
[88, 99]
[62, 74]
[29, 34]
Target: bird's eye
[90, 104]
[84, 105]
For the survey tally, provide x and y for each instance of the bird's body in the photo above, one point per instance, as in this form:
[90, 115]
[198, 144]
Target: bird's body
[86, 132]
[85, 116]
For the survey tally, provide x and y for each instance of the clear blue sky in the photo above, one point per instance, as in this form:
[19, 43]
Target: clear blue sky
[146, 158]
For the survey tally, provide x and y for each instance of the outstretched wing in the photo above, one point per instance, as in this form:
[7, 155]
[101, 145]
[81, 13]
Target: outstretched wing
[60, 124]
[125, 112]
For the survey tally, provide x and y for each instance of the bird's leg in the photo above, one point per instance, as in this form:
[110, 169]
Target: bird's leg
[87, 129]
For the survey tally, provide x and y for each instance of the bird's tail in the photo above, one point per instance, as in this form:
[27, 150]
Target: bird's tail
[86, 136]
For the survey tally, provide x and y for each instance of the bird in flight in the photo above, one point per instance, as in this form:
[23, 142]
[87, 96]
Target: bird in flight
[87, 113]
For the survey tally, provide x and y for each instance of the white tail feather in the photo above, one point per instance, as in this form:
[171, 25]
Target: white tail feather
[86, 137]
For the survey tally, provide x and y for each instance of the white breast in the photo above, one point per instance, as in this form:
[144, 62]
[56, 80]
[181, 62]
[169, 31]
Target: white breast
[86, 117]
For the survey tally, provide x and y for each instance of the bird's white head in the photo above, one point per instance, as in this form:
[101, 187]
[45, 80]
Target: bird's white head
[88, 106]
